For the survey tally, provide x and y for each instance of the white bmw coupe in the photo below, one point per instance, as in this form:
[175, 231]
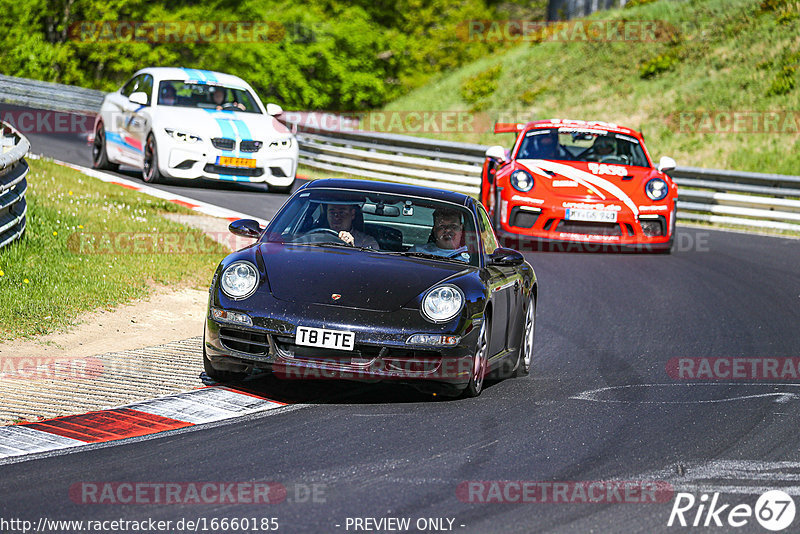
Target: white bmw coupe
[188, 123]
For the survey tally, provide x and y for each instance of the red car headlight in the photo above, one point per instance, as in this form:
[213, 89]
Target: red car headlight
[521, 181]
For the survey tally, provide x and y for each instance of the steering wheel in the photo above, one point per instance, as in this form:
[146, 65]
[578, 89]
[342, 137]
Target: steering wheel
[615, 158]
[323, 231]
[231, 105]
[320, 234]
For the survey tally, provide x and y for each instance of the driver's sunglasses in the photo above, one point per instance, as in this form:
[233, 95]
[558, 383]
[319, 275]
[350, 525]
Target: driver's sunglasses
[451, 227]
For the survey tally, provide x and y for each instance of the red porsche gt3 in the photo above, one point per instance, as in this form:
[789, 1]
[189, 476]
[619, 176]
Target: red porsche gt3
[579, 185]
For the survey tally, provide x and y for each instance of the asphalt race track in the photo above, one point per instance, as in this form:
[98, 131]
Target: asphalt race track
[599, 405]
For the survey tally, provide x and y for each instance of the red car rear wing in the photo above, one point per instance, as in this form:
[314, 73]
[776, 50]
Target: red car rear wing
[508, 127]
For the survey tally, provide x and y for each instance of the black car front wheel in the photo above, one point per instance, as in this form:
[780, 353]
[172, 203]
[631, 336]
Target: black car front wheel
[218, 375]
[526, 349]
[100, 152]
[480, 362]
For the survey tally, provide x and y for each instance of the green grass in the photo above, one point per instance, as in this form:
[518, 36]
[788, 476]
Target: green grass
[728, 55]
[53, 275]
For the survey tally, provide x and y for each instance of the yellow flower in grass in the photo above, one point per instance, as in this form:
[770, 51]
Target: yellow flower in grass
[80, 226]
[26, 281]
[2, 273]
[55, 233]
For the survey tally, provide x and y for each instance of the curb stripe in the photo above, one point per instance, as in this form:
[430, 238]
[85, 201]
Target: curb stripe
[207, 404]
[108, 425]
[19, 440]
[204, 405]
[195, 205]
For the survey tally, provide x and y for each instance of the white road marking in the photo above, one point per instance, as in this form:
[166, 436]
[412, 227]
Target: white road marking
[731, 476]
[595, 395]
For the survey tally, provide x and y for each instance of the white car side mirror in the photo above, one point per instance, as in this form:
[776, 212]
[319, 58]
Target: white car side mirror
[274, 109]
[496, 153]
[139, 97]
[666, 164]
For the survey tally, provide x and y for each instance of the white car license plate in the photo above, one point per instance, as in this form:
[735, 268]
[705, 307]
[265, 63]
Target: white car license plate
[591, 215]
[326, 339]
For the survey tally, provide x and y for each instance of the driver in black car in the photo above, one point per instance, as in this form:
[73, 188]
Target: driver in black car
[340, 219]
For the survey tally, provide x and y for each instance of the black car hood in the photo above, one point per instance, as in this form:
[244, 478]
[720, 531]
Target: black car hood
[367, 280]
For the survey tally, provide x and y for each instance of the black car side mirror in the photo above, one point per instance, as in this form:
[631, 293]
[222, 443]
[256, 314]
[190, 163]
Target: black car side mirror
[506, 257]
[246, 228]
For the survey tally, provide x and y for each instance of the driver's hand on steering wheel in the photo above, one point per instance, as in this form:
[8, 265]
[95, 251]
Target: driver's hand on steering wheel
[347, 237]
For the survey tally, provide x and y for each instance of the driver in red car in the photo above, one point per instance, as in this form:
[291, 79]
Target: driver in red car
[602, 147]
[340, 219]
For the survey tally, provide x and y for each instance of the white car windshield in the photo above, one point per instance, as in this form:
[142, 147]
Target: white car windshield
[189, 94]
[577, 144]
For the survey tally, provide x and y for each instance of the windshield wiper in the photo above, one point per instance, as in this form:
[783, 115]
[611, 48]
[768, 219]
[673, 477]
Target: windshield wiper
[335, 244]
[416, 254]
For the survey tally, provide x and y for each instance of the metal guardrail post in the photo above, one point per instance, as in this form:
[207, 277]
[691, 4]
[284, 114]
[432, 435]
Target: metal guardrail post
[13, 185]
[748, 199]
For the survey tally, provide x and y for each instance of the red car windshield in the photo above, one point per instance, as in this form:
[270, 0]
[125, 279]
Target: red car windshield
[576, 144]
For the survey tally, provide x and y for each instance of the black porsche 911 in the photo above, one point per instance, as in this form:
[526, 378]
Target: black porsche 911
[372, 281]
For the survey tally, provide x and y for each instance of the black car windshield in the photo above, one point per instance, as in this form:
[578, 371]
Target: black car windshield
[582, 144]
[381, 222]
[206, 96]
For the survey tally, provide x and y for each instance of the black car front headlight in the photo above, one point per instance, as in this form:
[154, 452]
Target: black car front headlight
[522, 181]
[656, 189]
[239, 279]
[442, 303]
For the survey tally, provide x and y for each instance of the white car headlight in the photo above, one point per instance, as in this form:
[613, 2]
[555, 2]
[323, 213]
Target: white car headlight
[656, 189]
[182, 136]
[442, 303]
[239, 279]
[521, 181]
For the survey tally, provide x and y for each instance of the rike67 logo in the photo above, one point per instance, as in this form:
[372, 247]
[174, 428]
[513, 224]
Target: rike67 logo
[774, 510]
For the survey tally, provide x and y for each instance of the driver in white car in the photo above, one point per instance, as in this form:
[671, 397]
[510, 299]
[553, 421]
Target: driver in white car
[218, 96]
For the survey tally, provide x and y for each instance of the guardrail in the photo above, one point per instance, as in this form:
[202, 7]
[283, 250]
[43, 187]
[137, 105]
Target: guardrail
[13, 185]
[395, 158]
[47, 95]
[753, 200]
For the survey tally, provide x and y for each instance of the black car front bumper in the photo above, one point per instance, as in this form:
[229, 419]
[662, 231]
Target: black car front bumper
[381, 351]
